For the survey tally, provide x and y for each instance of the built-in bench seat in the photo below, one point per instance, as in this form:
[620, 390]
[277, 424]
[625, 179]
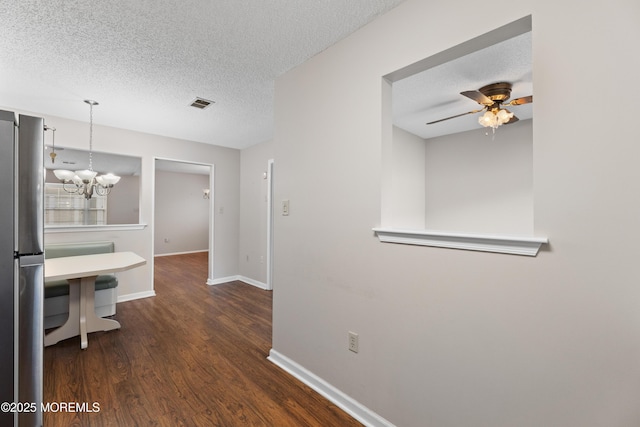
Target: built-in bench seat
[56, 292]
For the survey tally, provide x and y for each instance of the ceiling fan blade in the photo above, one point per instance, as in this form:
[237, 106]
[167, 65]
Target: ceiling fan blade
[453, 117]
[521, 101]
[479, 97]
[512, 120]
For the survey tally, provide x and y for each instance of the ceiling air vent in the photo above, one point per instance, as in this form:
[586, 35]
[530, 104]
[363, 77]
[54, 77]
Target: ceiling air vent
[201, 103]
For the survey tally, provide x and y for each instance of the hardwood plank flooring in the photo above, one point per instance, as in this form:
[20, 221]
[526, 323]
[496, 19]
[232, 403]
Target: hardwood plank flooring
[194, 355]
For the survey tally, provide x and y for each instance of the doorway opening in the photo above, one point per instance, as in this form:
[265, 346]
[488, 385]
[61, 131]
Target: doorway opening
[183, 209]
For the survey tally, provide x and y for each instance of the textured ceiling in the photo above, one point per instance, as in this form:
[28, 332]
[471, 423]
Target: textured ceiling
[435, 93]
[145, 61]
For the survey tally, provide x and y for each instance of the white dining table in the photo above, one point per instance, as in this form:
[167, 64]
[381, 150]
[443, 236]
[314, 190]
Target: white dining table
[81, 272]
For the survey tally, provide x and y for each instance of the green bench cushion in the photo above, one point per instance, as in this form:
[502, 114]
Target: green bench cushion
[56, 288]
[74, 249]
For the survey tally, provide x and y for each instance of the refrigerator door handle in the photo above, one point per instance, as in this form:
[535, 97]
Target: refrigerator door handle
[32, 260]
[30, 186]
[31, 333]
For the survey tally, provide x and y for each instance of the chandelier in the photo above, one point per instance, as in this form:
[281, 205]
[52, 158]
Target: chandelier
[87, 182]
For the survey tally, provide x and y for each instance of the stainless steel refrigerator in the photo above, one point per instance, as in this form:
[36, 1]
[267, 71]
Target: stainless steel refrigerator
[21, 269]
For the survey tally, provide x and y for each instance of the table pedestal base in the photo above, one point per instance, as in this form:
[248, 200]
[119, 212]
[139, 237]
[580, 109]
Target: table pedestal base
[82, 318]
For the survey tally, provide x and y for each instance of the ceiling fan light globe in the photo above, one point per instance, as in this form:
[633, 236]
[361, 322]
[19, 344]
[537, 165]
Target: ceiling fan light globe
[488, 119]
[503, 116]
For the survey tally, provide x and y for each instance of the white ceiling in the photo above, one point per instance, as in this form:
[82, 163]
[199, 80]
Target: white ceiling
[145, 62]
[434, 93]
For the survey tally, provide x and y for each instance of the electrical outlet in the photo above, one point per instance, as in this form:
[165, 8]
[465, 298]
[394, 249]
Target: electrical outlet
[285, 207]
[353, 342]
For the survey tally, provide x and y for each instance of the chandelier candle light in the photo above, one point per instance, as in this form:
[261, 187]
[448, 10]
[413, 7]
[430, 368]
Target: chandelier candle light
[85, 182]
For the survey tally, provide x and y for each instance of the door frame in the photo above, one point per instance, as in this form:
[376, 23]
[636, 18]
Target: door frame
[270, 168]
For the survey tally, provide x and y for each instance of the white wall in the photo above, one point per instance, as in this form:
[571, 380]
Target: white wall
[253, 211]
[466, 182]
[181, 213]
[480, 183]
[408, 182]
[452, 337]
[139, 282]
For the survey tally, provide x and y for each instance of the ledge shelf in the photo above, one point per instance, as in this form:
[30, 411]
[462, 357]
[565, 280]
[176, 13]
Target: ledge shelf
[515, 245]
[87, 228]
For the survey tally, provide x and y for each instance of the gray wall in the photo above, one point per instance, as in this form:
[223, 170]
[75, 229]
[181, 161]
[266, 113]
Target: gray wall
[480, 183]
[466, 182]
[253, 212]
[460, 338]
[124, 201]
[181, 213]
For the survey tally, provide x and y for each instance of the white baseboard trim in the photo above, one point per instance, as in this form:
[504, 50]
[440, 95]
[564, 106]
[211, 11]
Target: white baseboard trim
[137, 295]
[253, 282]
[247, 280]
[340, 399]
[221, 280]
[181, 253]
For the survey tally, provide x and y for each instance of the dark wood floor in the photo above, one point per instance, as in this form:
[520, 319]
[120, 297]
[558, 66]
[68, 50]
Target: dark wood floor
[194, 355]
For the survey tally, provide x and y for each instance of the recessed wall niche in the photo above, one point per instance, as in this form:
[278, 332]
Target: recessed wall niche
[456, 178]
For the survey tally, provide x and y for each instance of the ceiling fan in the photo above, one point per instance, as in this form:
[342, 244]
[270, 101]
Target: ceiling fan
[492, 97]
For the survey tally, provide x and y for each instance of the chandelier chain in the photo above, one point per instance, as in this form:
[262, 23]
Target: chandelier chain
[85, 182]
